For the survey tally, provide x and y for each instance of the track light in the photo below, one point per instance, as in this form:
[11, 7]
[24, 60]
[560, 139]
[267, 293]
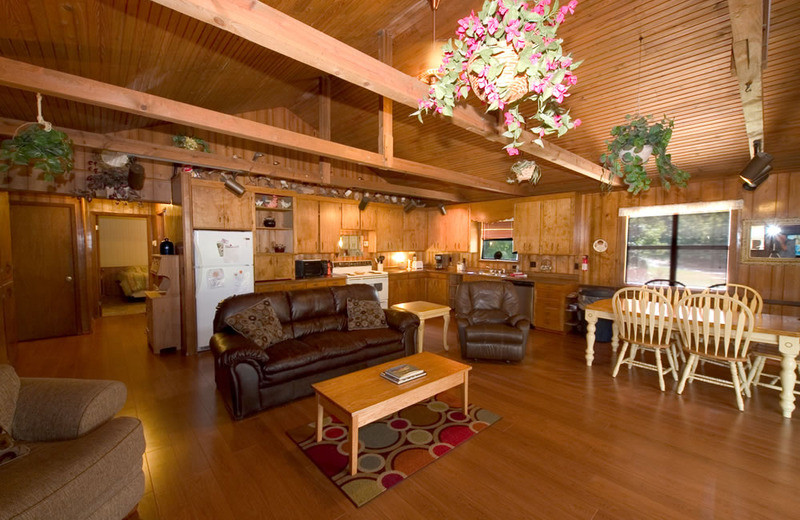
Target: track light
[410, 206]
[363, 204]
[442, 210]
[757, 170]
[232, 185]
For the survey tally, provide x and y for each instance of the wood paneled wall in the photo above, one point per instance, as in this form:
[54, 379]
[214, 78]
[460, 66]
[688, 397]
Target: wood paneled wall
[777, 197]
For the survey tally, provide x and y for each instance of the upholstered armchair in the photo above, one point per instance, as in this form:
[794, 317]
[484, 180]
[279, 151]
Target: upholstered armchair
[489, 325]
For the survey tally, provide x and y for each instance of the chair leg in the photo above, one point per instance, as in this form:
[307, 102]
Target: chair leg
[737, 386]
[634, 350]
[620, 358]
[660, 370]
[743, 378]
[687, 370]
[672, 358]
[694, 368]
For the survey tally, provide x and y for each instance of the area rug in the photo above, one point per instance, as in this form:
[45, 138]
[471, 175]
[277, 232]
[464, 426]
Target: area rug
[392, 449]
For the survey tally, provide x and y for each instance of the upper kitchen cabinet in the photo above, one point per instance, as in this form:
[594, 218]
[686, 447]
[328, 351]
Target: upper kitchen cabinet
[415, 231]
[545, 226]
[369, 218]
[330, 226]
[389, 232]
[306, 226]
[449, 232]
[214, 207]
[351, 216]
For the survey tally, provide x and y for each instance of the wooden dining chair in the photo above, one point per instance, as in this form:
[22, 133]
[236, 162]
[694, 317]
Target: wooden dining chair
[743, 293]
[716, 327]
[644, 320]
[674, 291]
[760, 354]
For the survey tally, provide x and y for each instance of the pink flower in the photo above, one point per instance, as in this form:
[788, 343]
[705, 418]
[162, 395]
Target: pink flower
[492, 25]
[566, 61]
[571, 79]
[577, 122]
[559, 17]
[560, 92]
[529, 27]
[509, 118]
[512, 151]
[501, 8]
[572, 5]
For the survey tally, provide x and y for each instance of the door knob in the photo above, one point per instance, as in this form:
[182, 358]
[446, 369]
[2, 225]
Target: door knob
[69, 278]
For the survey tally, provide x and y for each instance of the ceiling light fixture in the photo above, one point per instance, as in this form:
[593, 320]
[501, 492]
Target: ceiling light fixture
[233, 185]
[433, 60]
[757, 170]
[442, 209]
[363, 204]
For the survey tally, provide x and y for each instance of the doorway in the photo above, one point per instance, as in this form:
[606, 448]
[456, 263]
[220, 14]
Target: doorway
[45, 258]
[123, 259]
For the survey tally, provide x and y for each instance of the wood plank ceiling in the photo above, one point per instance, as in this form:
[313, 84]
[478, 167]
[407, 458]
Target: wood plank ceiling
[685, 72]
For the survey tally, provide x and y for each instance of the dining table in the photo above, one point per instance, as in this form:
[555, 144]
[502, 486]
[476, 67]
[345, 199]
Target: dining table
[772, 329]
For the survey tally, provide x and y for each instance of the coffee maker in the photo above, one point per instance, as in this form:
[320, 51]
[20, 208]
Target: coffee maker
[442, 261]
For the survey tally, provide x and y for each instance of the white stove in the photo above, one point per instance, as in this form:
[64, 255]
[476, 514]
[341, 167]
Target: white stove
[361, 272]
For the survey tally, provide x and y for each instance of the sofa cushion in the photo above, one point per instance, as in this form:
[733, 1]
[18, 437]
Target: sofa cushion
[289, 354]
[335, 343]
[9, 392]
[10, 449]
[365, 314]
[73, 479]
[258, 323]
[494, 333]
[374, 337]
[487, 316]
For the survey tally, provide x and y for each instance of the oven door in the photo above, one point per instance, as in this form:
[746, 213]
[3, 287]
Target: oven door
[381, 286]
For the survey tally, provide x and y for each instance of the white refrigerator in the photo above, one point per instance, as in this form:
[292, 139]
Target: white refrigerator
[223, 266]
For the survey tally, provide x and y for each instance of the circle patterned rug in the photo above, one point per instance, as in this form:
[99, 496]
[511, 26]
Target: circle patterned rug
[393, 448]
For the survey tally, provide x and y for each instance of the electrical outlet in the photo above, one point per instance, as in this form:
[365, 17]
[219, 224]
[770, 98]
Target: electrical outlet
[533, 264]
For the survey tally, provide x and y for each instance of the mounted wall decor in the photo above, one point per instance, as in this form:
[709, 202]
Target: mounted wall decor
[631, 148]
[508, 54]
[40, 146]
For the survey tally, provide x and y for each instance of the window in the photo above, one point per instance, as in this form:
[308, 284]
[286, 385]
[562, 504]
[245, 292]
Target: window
[497, 242]
[689, 248]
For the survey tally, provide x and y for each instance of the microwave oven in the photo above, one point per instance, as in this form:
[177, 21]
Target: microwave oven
[310, 268]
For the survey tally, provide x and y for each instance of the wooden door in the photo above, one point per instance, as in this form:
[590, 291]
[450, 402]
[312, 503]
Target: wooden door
[330, 220]
[45, 282]
[526, 226]
[351, 217]
[239, 211]
[306, 226]
[208, 211]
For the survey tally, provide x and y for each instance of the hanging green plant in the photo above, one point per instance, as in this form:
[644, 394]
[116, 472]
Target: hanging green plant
[190, 143]
[47, 150]
[631, 147]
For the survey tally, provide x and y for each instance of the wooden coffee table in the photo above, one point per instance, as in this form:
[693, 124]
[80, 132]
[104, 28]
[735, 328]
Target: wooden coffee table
[363, 397]
[426, 310]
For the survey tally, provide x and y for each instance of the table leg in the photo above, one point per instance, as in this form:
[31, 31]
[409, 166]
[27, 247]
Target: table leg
[466, 393]
[420, 335]
[353, 446]
[319, 420]
[614, 337]
[446, 328]
[789, 348]
[591, 327]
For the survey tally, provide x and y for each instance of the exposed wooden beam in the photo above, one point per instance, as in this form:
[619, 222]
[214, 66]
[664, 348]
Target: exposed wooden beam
[385, 113]
[747, 29]
[29, 77]
[274, 30]
[172, 154]
[325, 125]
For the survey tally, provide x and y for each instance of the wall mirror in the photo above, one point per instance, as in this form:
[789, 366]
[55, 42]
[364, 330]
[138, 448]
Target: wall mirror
[771, 241]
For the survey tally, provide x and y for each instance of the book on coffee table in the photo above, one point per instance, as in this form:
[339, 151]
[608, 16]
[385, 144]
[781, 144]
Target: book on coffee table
[402, 373]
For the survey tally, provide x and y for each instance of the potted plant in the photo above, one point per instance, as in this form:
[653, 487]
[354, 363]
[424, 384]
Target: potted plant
[190, 143]
[47, 150]
[631, 148]
[508, 54]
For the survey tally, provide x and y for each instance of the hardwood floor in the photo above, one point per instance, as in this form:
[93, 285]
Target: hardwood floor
[573, 442]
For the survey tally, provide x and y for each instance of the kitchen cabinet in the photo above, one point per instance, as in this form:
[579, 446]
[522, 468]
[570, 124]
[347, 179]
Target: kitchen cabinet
[550, 305]
[544, 227]
[306, 226]
[273, 266]
[389, 232]
[351, 217]
[436, 231]
[274, 229]
[415, 231]
[407, 286]
[293, 285]
[330, 226]
[369, 218]
[214, 207]
[450, 232]
[437, 288]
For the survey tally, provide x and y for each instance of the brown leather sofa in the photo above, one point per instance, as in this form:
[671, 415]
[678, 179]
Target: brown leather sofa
[489, 325]
[319, 346]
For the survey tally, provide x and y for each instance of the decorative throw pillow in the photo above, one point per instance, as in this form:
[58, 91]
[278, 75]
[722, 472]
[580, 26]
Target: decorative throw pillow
[365, 314]
[9, 450]
[259, 324]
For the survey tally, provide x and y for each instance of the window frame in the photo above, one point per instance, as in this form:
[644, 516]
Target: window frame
[674, 248]
[510, 238]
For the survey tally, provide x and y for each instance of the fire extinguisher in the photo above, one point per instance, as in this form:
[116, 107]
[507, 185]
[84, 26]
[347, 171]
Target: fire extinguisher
[585, 263]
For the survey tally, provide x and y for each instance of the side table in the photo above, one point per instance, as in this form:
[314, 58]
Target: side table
[424, 311]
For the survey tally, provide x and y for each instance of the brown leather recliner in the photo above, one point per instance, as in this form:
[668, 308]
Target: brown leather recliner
[489, 326]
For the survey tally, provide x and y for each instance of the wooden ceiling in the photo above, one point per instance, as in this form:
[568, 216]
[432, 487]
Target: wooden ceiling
[686, 72]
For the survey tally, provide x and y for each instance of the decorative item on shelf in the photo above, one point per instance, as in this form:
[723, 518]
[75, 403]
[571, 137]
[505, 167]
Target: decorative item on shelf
[279, 248]
[269, 222]
[628, 153]
[40, 146]
[167, 247]
[190, 143]
[110, 177]
[285, 203]
[508, 54]
[135, 175]
[525, 171]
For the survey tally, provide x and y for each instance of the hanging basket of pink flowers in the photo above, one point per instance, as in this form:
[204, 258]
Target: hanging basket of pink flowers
[506, 55]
